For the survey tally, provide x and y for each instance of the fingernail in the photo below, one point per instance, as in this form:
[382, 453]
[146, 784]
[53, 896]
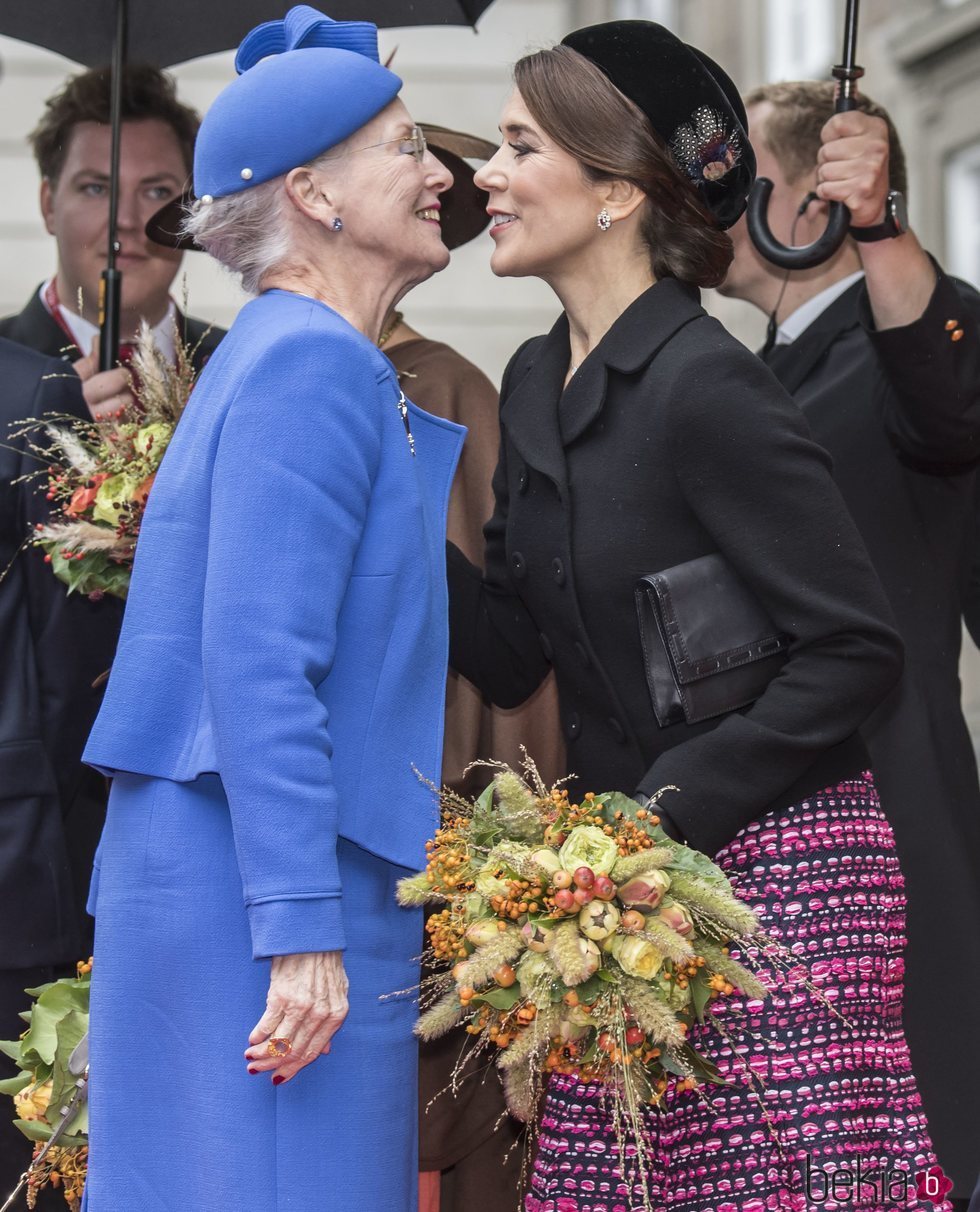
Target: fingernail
[278, 1080]
[251, 1070]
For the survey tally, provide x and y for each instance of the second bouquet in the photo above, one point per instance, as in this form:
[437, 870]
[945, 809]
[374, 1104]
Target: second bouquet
[576, 937]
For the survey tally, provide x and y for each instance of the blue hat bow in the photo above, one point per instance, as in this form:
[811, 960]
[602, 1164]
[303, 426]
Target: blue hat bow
[304, 84]
[304, 27]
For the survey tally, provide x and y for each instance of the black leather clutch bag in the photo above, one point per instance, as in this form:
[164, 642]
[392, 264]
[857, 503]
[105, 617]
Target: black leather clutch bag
[708, 646]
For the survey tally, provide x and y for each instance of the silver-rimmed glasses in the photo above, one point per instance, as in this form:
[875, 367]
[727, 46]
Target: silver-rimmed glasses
[412, 145]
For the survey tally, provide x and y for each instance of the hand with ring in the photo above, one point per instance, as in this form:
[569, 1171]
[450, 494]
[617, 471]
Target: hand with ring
[306, 1006]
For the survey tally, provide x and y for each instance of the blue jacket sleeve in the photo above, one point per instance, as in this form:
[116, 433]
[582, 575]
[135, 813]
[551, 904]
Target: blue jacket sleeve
[292, 480]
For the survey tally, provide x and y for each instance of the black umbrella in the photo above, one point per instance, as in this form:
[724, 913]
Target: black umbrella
[162, 33]
[805, 256]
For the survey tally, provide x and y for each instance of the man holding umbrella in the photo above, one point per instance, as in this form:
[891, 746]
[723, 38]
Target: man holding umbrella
[882, 352]
[72, 147]
[59, 644]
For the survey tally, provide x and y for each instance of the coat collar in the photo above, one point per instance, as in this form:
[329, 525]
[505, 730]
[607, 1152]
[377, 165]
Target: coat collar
[791, 364]
[542, 419]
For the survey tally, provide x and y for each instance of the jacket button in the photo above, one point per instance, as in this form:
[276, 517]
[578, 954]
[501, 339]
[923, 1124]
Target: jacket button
[522, 480]
[582, 653]
[518, 567]
[617, 730]
[546, 647]
[573, 726]
[558, 568]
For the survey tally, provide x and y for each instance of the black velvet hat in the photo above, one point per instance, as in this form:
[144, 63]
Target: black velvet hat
[690, 101]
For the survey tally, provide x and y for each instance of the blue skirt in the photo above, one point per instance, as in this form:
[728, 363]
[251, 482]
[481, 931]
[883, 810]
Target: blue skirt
[176, 1122]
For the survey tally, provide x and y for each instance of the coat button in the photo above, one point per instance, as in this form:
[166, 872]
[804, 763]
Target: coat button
[573, 726]
[558, 568]
[517, 565]
[546, 647]
[617, 730]
[522, 480]
[582, 653]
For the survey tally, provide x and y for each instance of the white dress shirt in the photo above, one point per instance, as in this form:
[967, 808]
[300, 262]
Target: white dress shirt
[800, 320]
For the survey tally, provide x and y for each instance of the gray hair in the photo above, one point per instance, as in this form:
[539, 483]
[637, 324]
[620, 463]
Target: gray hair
[247, 232]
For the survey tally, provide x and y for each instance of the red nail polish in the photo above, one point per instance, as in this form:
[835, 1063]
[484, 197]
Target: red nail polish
[278, 1080]
[251, 1070]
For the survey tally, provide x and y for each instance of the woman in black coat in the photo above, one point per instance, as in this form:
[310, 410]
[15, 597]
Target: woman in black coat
[637, 437]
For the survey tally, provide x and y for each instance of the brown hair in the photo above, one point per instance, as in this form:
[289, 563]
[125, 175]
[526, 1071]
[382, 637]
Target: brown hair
[588, 117]
[799, 111]
[146, 93]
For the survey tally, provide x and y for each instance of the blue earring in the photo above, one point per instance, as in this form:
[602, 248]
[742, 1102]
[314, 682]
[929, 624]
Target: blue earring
[338, 224]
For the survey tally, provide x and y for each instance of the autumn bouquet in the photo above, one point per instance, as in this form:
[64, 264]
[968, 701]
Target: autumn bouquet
[99, 473]
[576, 938]
[48, 1093]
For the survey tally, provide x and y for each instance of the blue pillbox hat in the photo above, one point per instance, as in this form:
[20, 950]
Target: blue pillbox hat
[306, 84]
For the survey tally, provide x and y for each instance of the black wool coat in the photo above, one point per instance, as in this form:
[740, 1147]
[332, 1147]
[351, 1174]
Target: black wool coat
[672, 441]
[52, 647]
[899, 411]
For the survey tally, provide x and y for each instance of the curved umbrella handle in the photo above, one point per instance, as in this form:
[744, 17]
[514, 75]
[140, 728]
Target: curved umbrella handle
[804, 256]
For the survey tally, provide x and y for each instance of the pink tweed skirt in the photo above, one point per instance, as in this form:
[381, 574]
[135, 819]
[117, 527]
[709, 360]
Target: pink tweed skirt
[821, 1115]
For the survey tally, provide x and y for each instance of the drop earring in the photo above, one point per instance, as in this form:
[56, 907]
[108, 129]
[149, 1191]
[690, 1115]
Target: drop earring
[603, 220]
[338, 224]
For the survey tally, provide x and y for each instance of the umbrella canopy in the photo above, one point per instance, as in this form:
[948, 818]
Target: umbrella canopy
[164, 34]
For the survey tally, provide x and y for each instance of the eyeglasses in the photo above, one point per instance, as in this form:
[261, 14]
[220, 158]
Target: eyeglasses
[412, 145]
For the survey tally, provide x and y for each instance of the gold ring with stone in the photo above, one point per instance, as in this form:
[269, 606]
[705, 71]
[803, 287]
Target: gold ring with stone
[278, 1047]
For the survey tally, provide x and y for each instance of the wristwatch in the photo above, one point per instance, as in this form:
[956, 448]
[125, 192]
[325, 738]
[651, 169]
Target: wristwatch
[896, 221]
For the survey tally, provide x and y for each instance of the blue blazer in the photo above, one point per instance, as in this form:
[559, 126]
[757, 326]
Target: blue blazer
[287, 621]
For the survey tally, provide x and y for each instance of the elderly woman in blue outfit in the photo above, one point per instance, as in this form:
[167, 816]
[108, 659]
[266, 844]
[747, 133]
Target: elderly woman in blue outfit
[281, 669]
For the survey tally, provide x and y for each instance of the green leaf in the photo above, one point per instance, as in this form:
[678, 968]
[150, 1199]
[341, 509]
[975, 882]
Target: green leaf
[500, 999]
[14, 1085]
[50, 1008]
[704, 1070]
[642, 1085]
[604, 974]
[484, 800]
[686, 859]
[616, 801]
[34, 994]
[700, 995]
[12, 1048]
[671, 1065]
[42, 1073]
[34, 1129]
[590, 989]
[37, 1129]
[71, 1029]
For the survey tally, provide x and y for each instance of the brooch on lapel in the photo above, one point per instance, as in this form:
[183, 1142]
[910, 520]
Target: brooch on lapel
[403, 409]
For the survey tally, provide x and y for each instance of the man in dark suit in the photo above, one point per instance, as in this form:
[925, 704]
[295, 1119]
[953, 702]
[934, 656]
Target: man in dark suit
[50, 805]
[881, 350]
[72, 145]
[52, 646]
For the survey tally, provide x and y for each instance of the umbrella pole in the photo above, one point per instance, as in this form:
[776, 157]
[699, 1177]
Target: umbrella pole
[110, 287]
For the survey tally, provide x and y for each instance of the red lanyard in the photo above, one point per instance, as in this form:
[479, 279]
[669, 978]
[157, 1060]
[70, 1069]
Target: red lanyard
[53, 304]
